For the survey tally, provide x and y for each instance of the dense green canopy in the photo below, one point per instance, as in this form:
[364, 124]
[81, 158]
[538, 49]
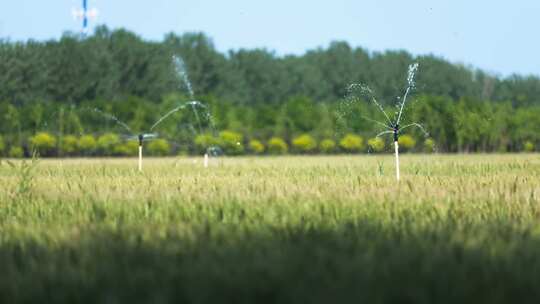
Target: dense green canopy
[50, 86]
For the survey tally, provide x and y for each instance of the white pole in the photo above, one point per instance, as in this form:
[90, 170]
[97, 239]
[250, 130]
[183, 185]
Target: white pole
[396, 147]
[140, 158]
[206, 160]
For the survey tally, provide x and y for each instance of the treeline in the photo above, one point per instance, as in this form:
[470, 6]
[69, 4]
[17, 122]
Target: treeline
[254, 98]
[299, 125]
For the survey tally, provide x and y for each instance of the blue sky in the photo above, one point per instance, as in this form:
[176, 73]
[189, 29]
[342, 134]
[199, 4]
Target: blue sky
[500, 36]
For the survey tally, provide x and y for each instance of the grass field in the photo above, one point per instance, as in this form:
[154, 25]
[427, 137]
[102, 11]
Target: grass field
[272, 230]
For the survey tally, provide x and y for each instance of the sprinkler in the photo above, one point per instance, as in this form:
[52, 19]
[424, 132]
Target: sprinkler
[396, 148]
[141, 138]
[392, 125]
[206, 160]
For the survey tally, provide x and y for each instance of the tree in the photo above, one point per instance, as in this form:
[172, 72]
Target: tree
[87, 144]
[11, 122]
[159, 147]
[429, 145]
[528, 146]
[205, 141]
[231, 142]
[304, 143]
[376, 144]
[16, 152]
[95, 85]
[406, 142]
[69, 145]
[128, 148]
[327, 146]
[256, 146]
[107, 142]
[44, 143]
[352, 143]
[277, 145]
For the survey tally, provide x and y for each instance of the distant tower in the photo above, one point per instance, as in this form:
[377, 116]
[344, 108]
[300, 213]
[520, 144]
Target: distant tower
[84, 14]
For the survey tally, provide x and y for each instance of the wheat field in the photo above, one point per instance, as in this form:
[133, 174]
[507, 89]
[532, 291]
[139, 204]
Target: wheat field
[308, 229]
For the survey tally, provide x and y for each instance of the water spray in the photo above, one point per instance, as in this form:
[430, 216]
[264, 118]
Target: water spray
[142, 137]
[392, 126]
[191, 105]
[181, 71]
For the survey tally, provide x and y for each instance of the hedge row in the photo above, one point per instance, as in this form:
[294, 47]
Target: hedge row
[108, 144]
[227, 142]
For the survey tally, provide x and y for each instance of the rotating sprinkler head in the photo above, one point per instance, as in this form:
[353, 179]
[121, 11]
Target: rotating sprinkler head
[141, 138]
[395, 129]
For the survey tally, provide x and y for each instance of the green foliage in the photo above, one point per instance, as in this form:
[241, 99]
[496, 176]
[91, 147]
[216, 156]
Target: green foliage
[69, 145]
[159, 147]
[120, 63]
[87, 144]
[231, 142]
[256, 146]
[352, 143]
[277, 145]
[528, 146]
[468, 125]
[43, 142]
[327, 146]
[205, 141]
[429, 145]
[2, 145]
[128, 148]
[46, 86]
[107, 142]
[406, 142]
[304, 143]
[376, 144]
[10, 118]
[299, 114]
[16, 152]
